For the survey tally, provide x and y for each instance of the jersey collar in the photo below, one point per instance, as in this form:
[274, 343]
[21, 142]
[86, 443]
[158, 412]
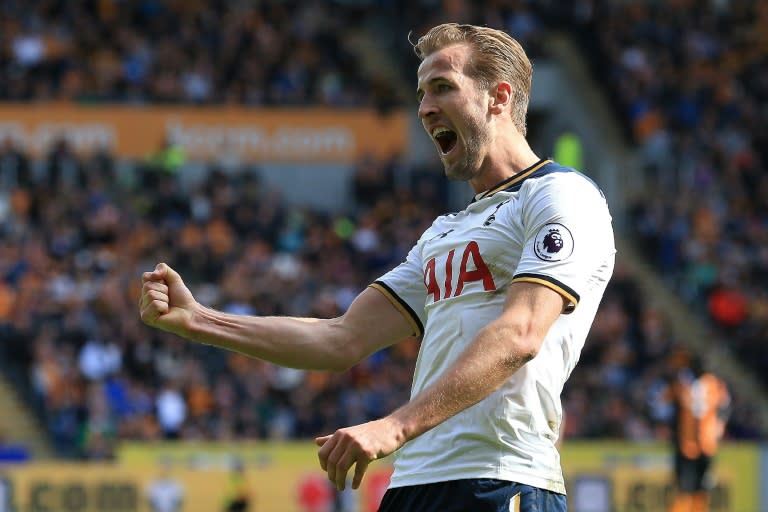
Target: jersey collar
[512, 180]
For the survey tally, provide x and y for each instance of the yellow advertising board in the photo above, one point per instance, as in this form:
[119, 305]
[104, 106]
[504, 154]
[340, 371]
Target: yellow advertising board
[637, 477]
[276, 135]
[285, 477]
[279, 477]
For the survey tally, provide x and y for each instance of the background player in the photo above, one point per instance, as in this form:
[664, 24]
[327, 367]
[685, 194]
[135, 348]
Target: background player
[701, 403]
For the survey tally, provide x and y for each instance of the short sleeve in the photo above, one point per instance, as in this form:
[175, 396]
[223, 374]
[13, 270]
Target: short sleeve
[567, 235]
[404, 287]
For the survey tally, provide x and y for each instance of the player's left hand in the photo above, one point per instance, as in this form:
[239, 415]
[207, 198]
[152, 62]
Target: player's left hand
[358, 445]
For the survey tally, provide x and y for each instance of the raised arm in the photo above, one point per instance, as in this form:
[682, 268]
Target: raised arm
[497, 351]
[370, 324]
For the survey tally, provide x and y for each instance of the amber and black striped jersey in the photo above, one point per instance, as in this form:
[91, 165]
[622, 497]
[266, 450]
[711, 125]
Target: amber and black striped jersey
[700, 409]
[548, 225]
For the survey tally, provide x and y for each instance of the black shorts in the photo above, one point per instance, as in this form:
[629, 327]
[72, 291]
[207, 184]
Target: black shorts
[237, 506]
[475, 495]
[691, 474]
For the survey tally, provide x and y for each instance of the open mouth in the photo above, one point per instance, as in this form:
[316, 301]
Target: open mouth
[446, 139]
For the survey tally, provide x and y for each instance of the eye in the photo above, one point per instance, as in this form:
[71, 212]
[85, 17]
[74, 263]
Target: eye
[434, 88]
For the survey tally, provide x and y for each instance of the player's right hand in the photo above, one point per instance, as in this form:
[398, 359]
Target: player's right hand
[166, 302]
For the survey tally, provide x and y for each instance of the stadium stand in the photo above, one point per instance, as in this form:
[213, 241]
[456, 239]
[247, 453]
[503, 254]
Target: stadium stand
[76, 236]
[202, 52]
[689, 85]
[96, 375]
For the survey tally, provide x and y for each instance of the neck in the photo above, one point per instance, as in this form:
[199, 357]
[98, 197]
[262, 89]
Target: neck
[503, 162]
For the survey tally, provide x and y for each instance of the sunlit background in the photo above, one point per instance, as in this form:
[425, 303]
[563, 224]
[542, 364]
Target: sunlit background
[270, 151]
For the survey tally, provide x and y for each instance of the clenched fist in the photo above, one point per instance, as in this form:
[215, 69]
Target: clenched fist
[166, 302]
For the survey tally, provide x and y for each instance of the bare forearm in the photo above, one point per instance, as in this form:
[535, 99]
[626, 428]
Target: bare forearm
[307, 343]
[370, 323]
[493, 356]
[477, 373]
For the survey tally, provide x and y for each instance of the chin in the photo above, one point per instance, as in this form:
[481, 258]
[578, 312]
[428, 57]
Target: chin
[459, 171]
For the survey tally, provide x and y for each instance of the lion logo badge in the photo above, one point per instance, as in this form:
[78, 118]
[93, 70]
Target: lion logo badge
[554, 242]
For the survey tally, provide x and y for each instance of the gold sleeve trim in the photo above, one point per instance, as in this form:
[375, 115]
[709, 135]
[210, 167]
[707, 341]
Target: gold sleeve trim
[396, 301]
[572, 299]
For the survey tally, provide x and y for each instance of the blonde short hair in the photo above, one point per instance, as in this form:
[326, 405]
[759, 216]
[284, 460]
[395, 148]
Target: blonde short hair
[497, 57]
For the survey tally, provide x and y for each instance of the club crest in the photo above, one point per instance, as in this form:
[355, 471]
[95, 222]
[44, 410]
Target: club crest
[492, 217]
[554, 242]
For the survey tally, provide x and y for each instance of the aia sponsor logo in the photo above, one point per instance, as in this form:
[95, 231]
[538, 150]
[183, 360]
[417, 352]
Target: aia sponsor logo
[456, 270]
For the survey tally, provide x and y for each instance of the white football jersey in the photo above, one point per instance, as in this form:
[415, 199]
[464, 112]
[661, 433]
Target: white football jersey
[549, 225]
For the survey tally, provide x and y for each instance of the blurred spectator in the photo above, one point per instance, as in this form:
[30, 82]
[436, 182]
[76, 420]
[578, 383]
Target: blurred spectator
[165, 493]
[98, 360]
[171, 410]
[64, 170]
[568, 150]
[14, 167]
[163, 164]
[239, 495]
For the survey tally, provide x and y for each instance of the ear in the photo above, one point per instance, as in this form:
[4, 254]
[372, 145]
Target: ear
[500, 98]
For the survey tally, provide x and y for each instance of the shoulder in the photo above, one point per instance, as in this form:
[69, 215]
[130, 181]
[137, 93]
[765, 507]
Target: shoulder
[438, 227]
[570, 193]
[563, 181]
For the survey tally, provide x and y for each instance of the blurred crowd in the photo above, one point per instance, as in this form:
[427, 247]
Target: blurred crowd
[76, 238]
[77, 230]
[690, 78]
[286, 52]
[75, 242]
[274, 52]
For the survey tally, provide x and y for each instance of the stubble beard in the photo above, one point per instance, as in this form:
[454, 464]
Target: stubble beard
[469, 165]
[459, 171]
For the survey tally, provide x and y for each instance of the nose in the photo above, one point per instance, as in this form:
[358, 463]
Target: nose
[426, 107]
